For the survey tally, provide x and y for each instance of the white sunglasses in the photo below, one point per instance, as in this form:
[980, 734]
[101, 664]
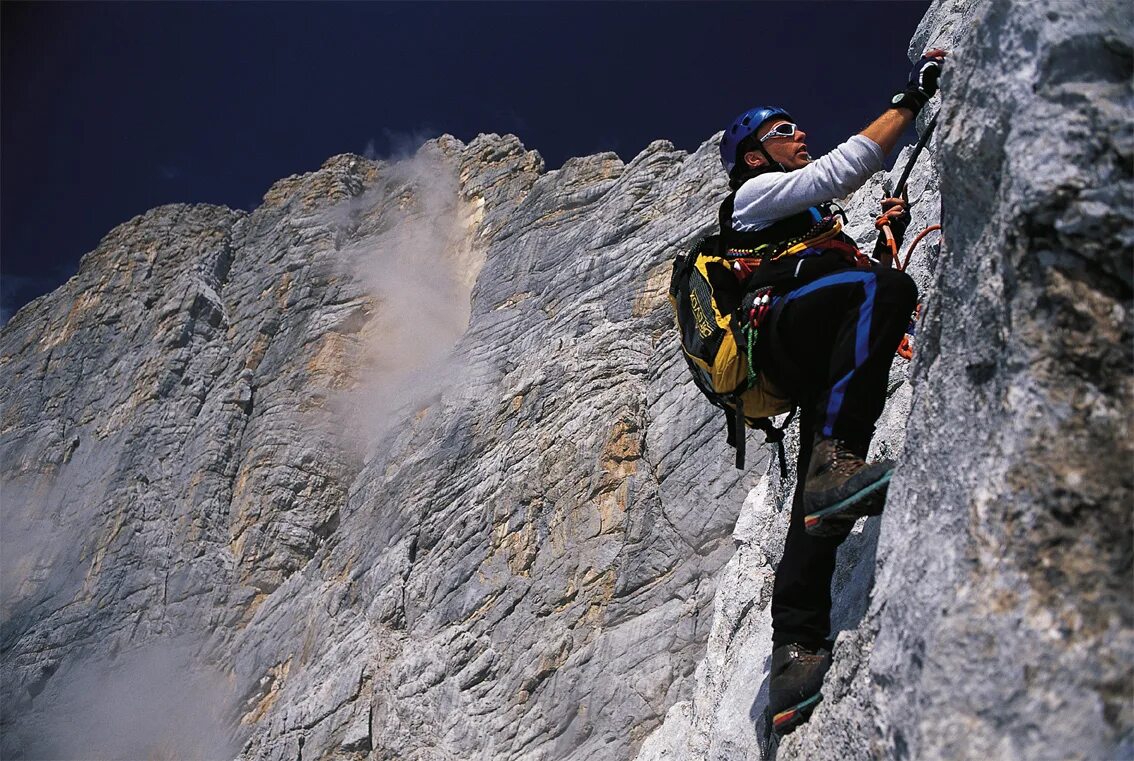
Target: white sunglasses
[787, 129]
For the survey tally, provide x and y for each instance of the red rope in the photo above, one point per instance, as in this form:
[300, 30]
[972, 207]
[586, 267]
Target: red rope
[905, 348]
[909, 253]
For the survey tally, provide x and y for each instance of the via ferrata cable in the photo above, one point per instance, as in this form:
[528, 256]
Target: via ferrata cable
[905, 349]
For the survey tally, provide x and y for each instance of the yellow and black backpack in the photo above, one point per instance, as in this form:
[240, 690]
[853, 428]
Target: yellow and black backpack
[722, 288]
[718, 343]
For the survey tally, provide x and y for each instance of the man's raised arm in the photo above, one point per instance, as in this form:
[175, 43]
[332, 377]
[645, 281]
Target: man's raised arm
[887, 129]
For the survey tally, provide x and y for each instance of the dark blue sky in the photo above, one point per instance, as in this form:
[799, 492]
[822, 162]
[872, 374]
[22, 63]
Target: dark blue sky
[110, 109]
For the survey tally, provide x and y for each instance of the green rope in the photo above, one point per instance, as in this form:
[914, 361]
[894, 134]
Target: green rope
[750, 336]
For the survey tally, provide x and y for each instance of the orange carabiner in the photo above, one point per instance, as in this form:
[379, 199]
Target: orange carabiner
[905, 348]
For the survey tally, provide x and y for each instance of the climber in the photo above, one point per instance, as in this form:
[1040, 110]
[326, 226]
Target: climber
[827, 340]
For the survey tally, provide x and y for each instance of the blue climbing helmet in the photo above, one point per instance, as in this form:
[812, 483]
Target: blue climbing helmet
[743, 126]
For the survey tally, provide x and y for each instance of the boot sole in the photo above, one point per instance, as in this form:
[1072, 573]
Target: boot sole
[839, 518]
[787, 720]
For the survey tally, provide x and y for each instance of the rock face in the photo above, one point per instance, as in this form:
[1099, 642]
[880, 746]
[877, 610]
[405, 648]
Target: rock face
[1000, 620]
[405, 465]
[267, 446]
[1005, 614]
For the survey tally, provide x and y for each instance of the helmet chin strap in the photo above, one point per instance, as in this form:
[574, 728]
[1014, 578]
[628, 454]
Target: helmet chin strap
[771, 161]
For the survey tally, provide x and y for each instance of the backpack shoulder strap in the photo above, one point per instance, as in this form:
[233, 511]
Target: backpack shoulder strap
[724, 216]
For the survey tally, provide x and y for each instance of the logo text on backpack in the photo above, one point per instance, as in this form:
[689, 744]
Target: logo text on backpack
[704, 327]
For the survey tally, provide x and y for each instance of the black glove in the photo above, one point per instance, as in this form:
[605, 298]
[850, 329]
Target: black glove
[925, 74]
[922, 85]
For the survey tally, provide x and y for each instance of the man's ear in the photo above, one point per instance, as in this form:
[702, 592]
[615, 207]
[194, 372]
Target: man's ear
[754, 159]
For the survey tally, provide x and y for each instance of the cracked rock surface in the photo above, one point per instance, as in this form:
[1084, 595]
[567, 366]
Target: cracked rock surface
[989, 613]
[404, 463]
[404, 458]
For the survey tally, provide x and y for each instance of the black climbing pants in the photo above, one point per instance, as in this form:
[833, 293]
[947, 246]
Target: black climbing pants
[830, 344]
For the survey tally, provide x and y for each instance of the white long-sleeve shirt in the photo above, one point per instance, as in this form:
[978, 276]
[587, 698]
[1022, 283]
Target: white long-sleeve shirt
[771, 196]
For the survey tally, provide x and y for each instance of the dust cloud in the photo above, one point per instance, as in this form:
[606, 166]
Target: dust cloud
[156, 703]
[87, 701]
[410, 249]
[413, 248]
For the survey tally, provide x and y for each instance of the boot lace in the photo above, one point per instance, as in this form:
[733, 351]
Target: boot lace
[841, 459]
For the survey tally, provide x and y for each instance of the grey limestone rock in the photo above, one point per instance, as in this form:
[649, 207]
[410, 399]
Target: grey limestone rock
[405, 464]
[988, 613]
[405, 457]
[1002, 611]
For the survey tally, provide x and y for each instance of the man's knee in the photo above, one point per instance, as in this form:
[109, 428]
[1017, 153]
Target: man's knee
[896, 287]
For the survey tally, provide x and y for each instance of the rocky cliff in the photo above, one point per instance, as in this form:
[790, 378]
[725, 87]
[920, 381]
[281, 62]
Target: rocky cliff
[404, 463]
[988, 613]
[267, 447]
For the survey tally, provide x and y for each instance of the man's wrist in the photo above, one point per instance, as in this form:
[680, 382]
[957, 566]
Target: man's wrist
[911, 99]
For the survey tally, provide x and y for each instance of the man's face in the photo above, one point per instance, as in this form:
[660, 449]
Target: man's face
[791, 152]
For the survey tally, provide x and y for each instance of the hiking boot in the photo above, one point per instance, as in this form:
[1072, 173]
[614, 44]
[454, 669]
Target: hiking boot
[841, 488]
[797, 676]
